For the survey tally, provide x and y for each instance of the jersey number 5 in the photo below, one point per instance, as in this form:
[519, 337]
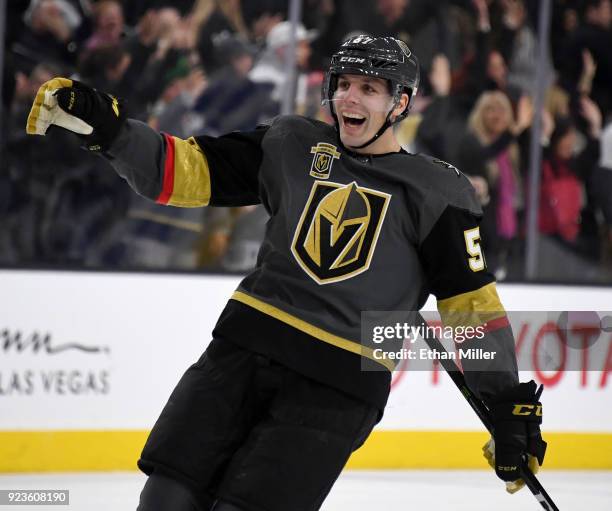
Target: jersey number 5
[472, 245]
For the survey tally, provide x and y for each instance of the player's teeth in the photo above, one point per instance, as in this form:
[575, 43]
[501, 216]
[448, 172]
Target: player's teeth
[354, 116]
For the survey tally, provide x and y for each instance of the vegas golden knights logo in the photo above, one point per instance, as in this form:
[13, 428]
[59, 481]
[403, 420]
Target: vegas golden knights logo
[338, 230]
[324, 156]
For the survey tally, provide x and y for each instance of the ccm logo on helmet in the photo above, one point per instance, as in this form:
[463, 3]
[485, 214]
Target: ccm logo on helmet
[352, 59]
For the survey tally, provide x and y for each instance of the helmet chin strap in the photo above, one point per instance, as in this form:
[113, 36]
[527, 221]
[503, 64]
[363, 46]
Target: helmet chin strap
[388, 122]
[382, 129]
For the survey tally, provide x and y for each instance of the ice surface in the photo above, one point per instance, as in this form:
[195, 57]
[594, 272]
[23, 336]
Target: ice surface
[410, 490]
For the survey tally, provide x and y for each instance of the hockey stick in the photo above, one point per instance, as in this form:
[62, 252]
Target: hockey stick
[483, 414]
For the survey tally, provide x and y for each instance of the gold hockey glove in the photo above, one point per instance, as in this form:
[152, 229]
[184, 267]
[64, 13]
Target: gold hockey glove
[96, 116]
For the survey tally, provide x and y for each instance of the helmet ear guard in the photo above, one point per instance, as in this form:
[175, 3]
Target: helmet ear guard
[397, 96]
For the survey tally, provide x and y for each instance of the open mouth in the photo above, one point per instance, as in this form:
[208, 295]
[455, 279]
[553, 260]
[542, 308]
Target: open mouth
[353, 120]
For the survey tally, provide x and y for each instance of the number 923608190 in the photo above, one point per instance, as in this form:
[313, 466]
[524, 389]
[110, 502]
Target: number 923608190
[34, 497]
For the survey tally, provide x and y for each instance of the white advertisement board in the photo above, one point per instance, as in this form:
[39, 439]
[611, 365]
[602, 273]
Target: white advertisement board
[97, 350]
[103, 351]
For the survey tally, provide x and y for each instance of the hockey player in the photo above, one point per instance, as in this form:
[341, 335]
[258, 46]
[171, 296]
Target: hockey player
[269, 415]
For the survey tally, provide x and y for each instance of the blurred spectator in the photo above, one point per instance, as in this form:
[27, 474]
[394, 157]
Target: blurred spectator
[595, 35]
[601, 189]
[66, 9]
[21, 206]
[134, 10]
[104, 67]
[440, 122]
[216, 20]
[421, 23]
[563, 176]
[560, 102]
[262, 16]
[214, 66]
[341, 19]
[489, 71]
[161, 50]
[489, 156]
[50, 27]
[272, 66]
[232, 101]
[62, 200]
[515, 38]
[174, 110]
[565, 21]
[109, 25]
[497, 76]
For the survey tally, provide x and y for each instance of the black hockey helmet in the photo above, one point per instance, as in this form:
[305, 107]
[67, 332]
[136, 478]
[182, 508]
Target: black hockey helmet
[382, 57]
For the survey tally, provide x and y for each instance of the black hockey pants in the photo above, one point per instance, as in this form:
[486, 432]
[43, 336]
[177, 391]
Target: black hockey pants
[250, 433]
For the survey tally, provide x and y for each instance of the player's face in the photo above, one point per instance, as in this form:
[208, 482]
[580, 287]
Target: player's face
[362, 104]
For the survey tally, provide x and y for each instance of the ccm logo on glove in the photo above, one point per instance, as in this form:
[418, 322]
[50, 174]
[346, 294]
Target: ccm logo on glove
[527, 410]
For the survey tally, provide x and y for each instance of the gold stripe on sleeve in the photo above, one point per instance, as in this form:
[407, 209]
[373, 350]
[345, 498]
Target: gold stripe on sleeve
[473, 308]
[191, 175]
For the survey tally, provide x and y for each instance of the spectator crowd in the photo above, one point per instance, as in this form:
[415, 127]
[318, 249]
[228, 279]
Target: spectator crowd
[213, 66]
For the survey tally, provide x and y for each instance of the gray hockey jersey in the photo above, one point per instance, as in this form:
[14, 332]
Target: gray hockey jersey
[347, 233]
